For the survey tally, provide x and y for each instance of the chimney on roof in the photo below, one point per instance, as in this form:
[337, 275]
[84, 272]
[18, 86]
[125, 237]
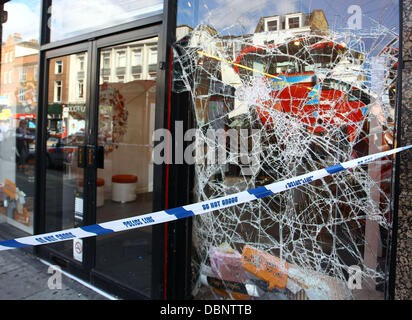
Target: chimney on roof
[17, 37]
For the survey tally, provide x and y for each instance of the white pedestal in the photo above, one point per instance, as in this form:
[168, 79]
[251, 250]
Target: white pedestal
[123, 192]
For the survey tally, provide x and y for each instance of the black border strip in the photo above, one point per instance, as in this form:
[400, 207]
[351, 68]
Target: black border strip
[390, 285]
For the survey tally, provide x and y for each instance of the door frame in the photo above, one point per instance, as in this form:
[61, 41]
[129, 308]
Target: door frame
[71, 265]
[91, 43]
[97, 277]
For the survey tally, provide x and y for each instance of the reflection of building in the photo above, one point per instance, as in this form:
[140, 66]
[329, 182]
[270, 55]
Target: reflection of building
[136, 61]
[58, 91]
[19, 73]
[275, 29]
[295, 22]
[66, 91]
[59, 80]
[77, 79]
[19, 89]
[182, 31]
[67, 79]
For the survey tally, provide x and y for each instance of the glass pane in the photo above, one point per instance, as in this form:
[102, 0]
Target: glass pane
[302, 85]
[18, 110]
[104, 13]
[66, 123]
[125, 185]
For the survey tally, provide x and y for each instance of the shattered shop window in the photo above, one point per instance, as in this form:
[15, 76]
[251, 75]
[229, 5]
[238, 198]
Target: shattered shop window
[273, 103]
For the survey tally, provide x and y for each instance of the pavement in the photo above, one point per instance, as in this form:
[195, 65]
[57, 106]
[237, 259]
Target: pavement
[24, 277]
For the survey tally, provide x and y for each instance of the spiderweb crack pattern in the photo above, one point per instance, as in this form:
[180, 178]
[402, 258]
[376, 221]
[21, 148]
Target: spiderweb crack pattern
[307, 102]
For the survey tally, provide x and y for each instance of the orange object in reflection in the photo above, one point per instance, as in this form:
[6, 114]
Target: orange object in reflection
[231, 295]
[124, 178]
[10, 189]
[266, 267]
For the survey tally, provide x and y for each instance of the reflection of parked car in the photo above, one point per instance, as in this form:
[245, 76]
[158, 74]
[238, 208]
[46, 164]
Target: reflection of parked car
[61, 151]
[25, 139]
[55, 154]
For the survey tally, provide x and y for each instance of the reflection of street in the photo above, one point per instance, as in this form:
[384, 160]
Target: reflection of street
[18, 90]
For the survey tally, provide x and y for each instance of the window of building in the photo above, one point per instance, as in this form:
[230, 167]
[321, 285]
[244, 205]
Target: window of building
[152, 63]
[153, 56]
[23, 74]
[121, 58]
[10, 76]
[59, 67]
[137, 57]
[294, 22]
[272, 25]
[58, 91]
[5, 77]
[80, 89]
[6, 57]
[81, 62]
[106, 61]
[22, 95]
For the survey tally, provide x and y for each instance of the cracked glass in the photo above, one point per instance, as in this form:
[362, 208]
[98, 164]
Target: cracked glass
[303, 85]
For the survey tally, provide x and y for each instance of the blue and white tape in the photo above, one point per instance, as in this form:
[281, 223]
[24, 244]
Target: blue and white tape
[191, 209]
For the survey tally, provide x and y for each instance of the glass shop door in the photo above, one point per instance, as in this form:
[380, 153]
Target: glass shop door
[126, 99]
[66, 120]
[101, 98]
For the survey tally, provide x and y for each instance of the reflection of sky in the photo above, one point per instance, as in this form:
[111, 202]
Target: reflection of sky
[227, 16]
[23, 18]
[74, 17]
[86, 16]
[244, 15]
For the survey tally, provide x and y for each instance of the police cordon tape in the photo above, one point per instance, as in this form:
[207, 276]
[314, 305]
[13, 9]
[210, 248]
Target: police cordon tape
[191, 209]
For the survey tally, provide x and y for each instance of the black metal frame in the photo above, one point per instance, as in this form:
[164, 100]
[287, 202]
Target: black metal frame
[175, 245]
[80, 269]
[391, 258]
[177, 276]
[1, 28]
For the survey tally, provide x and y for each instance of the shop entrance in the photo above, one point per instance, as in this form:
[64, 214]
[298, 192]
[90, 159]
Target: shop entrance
[100, 97]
